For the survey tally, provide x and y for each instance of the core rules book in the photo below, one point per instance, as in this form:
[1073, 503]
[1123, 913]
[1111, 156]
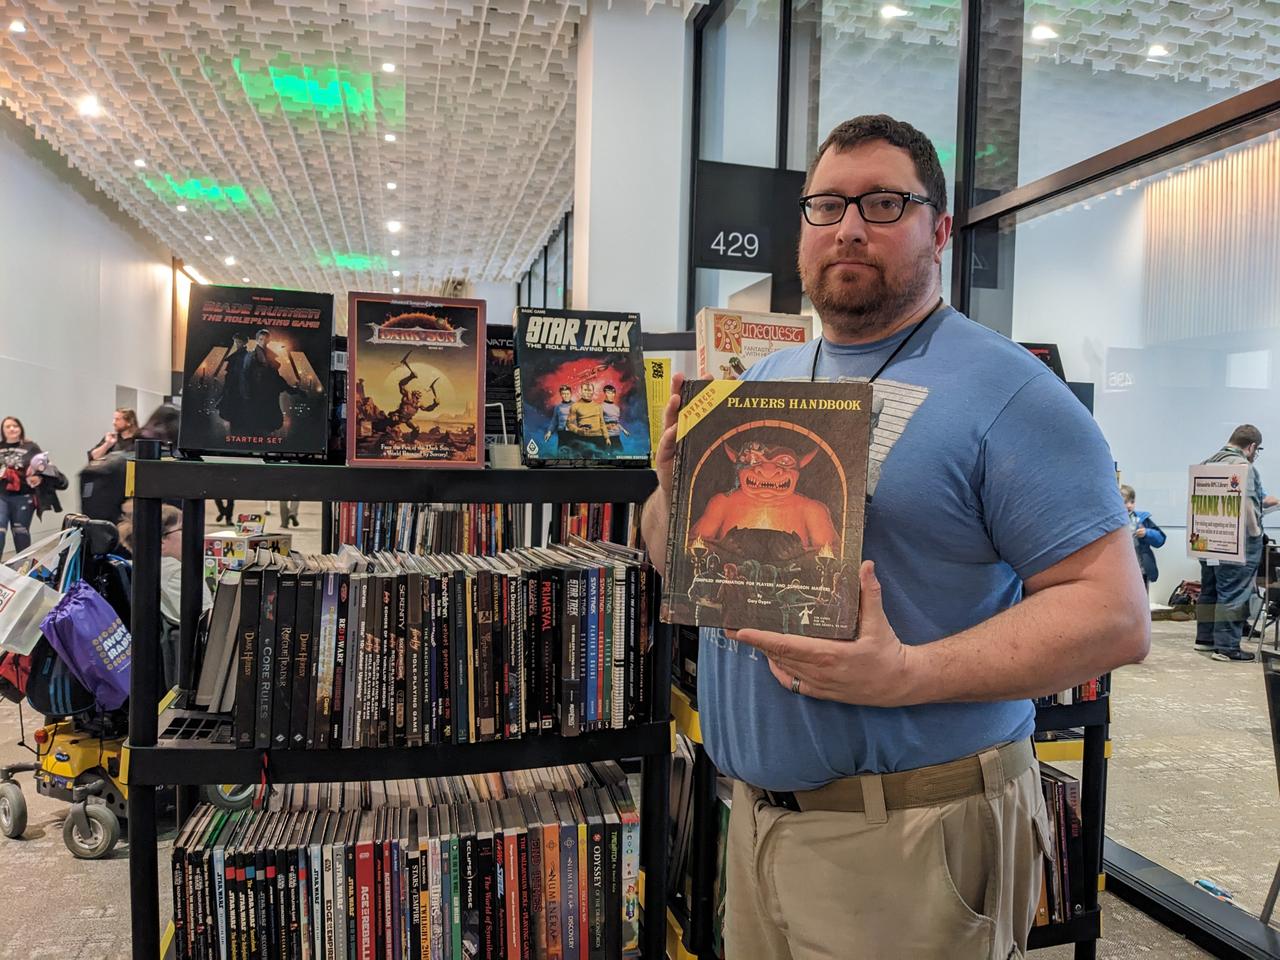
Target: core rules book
[415, 381]
[580, 388]
[256, 374]
[769, 497]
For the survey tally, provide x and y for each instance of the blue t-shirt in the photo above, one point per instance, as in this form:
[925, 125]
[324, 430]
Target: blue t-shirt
[986, 470]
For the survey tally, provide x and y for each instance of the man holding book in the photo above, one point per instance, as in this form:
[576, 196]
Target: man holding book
[887, 794]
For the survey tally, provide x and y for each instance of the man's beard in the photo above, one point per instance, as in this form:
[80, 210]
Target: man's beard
[871, 303]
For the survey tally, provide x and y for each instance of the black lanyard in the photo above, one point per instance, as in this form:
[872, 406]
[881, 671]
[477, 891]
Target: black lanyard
[817, 354]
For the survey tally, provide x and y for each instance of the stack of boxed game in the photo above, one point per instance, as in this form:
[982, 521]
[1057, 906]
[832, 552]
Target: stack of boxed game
[530, 864]
[231, 549]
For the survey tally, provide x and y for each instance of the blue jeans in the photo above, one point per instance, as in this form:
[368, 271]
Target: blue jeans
[15, 511]
[1225, 594]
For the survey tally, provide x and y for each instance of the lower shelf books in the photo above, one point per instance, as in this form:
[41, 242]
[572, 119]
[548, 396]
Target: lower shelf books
[401, 650]
[595, 521]
[680, 854]
[1084, 693]
[1062, 894]
[518, 866]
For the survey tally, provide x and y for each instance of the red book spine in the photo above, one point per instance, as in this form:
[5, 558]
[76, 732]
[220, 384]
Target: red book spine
[364, 900]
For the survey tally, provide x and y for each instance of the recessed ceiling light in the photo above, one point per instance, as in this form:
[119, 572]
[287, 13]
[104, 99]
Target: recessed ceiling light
[890, 12]
[395, 253]
[244, 279]
[391, 184]
[390, 138]
[182, 208]
[88, 106]
[1042, 31]
[1157, 50]
[393, 226]
[139, 163]
[17, 26]
[208, 237]
[388, 68]
[395, 289]
[229, 261]
[395, 273]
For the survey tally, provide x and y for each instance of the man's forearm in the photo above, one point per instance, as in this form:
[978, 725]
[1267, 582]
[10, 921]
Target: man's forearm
[1051, 641]
[653, 527]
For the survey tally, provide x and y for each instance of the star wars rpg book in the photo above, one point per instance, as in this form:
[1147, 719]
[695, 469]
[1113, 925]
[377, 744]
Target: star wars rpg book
[415, 381]
[580, 388]
[731, 341]
[768, 500]
[256, 374]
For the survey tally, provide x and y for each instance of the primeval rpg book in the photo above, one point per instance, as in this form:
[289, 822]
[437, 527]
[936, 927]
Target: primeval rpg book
[768, 504]
[256, 373]
[580, 388]
[415, 381]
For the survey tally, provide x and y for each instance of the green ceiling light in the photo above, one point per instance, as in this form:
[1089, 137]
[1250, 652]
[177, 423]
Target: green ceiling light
[209, 193]
[352, 261]
[329, 92]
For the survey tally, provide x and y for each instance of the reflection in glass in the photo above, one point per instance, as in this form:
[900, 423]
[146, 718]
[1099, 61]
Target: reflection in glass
[740, 84]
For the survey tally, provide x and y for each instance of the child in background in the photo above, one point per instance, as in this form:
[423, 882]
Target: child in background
[1147, 536]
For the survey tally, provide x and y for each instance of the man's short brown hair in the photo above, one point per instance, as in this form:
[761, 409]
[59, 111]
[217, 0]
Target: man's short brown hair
[1127, 493]
[880, 126]
[1244, 435]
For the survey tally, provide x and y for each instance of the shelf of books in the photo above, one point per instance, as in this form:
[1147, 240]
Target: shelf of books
[1068, 912]
[412, 725]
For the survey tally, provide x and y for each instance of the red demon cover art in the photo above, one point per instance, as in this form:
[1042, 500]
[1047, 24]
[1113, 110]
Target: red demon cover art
[768, 506]
[415, 381]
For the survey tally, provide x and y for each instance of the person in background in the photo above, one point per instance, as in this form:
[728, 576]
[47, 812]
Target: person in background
[121, 437]
[288, 513]
[1226, 589]
[226, 511]
[17, 483]
[1147, 536]
[170, 582]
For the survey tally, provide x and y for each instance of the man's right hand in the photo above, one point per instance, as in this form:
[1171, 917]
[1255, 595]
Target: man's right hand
[110, 438]
[665, 455]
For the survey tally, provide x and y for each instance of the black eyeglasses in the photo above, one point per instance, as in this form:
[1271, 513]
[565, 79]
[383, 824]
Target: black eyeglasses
[878, 206]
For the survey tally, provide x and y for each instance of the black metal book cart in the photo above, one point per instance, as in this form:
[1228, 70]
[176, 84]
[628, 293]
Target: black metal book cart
[157, 756]
[691, 917]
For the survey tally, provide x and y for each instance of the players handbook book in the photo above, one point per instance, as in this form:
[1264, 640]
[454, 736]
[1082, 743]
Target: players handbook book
[580, 389]
[415, 381]
[768, 505]
[256, 372]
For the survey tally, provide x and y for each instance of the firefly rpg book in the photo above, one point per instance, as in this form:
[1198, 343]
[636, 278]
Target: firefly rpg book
[580, 388]
[256, 374]
[415, 381]
[768, 505]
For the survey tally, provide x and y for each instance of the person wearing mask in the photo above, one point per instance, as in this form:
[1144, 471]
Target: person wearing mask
[1147, 536]
[1227, 589]
[120, 438]
[887, 796]
[18, 483]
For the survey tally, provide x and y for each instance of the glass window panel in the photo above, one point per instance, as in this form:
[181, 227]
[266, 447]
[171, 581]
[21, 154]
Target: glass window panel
[1062, 81]
[740, 84]
[1161, 290]
[535, 282]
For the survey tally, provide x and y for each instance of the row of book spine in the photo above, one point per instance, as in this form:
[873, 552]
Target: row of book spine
[481, 529]
[1086, 692]
[550, 870]
[1062, 894]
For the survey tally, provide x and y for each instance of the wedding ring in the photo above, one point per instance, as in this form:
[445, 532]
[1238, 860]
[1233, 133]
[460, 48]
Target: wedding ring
[795, 685]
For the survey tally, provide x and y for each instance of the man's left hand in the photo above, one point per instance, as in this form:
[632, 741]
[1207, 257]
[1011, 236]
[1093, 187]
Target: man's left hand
[874, 670]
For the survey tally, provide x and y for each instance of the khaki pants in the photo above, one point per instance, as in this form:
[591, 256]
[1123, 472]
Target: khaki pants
[957, 881]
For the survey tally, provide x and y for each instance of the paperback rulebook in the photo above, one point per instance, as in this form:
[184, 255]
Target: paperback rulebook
[415, 376]
[252, 378]
[768, 503]
[580, 388]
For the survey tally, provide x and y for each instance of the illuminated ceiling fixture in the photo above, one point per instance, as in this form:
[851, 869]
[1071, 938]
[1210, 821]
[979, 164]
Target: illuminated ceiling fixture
[195, 274]
[229, 261]
[395, 253]
[890, 12]
[1042, 31]
[395, 273]
[390, 138]
[244, 279]
[1157, 50]
[139, 163]
[17, 26]
[393, 226]
[89, 106]
[182, 208]
[388, 68]
[391, 184]
[395, 289]
[208, 238]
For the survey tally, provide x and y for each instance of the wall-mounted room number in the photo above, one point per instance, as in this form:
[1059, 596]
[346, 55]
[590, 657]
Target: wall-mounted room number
[735, 244]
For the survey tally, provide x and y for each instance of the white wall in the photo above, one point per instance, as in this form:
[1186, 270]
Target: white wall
[85, 304]
[500, 301]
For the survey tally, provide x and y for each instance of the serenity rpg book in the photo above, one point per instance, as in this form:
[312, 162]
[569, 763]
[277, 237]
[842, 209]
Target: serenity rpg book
[256, 373]
[580, 388]
[415, 381]
[768, 503]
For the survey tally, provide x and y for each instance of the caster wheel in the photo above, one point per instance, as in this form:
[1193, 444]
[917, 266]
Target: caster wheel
[228, 796]
[104, 832]
[13, 810]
